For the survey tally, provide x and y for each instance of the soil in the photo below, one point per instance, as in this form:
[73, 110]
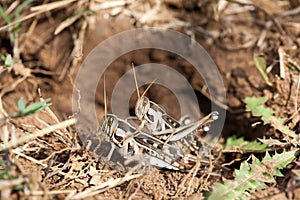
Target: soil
[231, 38]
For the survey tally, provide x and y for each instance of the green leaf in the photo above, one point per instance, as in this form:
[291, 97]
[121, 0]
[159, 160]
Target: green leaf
[283, 159]
[4, 174]
[21, 104]
[267, 156]
[252, 176]
[255, 105]
[254, 145]
[233, 141]
[31, 109]
[8, 61]
[253, 102]
[22, 5]
[19, 187]
[2, 162]
[16, 13]
[224, 191]
[241, 144]
[4, 15]
[260, 64]
[36, 107]
[293, 67]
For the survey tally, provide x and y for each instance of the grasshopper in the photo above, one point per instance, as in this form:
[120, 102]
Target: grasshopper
[121, 134]
[131, 142]
[162, 125]
[160, 144]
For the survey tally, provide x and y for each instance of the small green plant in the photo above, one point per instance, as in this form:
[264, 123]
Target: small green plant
[239, 144]
[15, 15]
[252, 176]
[261, 66]
[257, 108]
[6, 174]
[255, 175]
[7, 60]
[31, 109]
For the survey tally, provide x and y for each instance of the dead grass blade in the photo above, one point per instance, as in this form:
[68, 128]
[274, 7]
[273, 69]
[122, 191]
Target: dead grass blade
[110, 4]
[39, 133]
[52, 5]
[37, 10]
[281, 62]
[10, 183]
[53, 192]
[111, 183]
[68, 22]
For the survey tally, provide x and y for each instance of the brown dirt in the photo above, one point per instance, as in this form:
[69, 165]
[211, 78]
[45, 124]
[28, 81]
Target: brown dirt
[55, 59]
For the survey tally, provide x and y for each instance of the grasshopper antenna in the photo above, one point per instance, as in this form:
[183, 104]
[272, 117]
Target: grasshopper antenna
[135, 81]
[104, 96]
[149, 87]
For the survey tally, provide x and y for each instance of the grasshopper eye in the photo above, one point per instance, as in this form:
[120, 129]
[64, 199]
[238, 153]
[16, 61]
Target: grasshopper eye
[145, 102]
[110, 121]
[108, 125]
[142, 106]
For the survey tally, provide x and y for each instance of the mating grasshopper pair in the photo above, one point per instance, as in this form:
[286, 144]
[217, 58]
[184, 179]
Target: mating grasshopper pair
[159, 139]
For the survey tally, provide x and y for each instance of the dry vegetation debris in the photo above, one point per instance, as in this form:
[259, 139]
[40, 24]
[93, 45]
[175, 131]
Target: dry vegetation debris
[42, 46]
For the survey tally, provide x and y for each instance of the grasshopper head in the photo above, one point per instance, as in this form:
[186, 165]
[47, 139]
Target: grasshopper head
[108, 125]
[141, 107]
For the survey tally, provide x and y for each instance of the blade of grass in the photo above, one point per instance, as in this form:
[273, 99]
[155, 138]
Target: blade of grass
[20, 7]
[260, 64]
[4, 15]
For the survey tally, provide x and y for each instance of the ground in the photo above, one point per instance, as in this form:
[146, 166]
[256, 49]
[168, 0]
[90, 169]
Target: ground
[48, 45]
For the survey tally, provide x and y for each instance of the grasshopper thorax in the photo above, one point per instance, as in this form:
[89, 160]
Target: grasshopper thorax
[142, 107]
[108, 125]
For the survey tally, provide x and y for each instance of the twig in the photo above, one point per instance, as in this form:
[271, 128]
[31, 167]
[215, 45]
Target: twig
[150, 13]
[10, 183]
[13, 86]
[281, 62]
[189, 175]
[53, 116]
[3, 113]
[59, 170]
[294, 11]
[52, 5]
[272, 18]
[12, 7]
[297, 92]
[231, 162]
[40, 10]
[110, 4]
[53, 192]
[15, 151]
[263, 35]
[196, 169]
[49, 111]
[21, 20]
[104, 186]
[39, 133]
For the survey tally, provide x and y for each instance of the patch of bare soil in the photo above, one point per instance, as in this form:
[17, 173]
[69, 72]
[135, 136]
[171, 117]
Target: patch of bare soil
[56, 165]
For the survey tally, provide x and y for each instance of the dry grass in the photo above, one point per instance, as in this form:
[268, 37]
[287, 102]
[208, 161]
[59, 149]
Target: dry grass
[41, 156]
